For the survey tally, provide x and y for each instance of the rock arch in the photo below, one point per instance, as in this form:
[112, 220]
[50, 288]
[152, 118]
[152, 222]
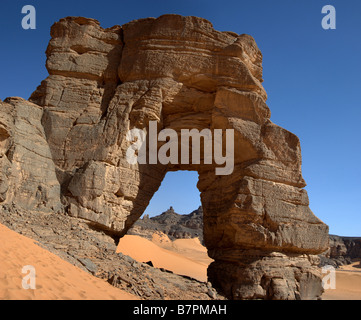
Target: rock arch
[181, 73]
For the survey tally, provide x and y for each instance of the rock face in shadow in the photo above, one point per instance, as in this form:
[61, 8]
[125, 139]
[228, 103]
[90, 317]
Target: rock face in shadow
[342, 251]
[181, 73]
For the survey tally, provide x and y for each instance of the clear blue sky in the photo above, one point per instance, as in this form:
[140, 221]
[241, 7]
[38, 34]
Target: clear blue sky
[312, 77]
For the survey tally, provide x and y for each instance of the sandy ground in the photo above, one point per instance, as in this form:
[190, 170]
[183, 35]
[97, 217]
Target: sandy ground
[348, 284]
[55, 279]
[189, 248]
[185, 256]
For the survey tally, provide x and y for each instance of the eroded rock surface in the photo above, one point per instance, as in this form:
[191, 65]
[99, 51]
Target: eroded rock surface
[27, 171]
[183, 74]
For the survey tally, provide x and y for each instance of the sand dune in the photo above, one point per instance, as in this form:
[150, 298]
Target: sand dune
[189, 248]
[185, 257]
[192, 249]
[55, 279]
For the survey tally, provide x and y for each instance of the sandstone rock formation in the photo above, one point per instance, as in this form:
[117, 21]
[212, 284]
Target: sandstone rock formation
[183, 74]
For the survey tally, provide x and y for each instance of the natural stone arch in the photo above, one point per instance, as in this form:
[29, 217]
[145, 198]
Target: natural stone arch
[181, 73]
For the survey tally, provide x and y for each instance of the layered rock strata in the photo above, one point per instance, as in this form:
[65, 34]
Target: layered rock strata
[183, 74]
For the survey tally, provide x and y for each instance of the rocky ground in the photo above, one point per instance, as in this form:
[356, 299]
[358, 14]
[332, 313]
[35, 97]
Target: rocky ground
[80, 244]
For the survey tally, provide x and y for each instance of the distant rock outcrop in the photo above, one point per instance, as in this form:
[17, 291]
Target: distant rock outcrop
[342, 251]
[175, 225]
[66, 149]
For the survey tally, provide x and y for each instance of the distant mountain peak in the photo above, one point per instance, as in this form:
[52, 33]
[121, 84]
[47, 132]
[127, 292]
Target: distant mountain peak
[175, 225]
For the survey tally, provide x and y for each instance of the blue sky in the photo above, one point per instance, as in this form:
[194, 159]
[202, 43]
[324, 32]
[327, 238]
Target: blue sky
[312, 77]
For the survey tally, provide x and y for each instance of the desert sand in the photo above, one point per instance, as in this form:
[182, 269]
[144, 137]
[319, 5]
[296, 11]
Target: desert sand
[348, 284]
[184, 257]
[189, 248]
[55, 279]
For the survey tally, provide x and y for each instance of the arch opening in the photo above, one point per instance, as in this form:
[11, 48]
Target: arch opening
[169, 234]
